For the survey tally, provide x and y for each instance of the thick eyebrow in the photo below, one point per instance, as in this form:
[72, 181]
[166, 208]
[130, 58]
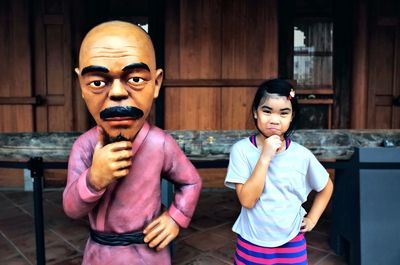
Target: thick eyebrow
[94, 68]
[136, 66]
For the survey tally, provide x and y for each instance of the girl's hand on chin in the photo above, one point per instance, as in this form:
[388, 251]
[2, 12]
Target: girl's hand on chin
[271, 146]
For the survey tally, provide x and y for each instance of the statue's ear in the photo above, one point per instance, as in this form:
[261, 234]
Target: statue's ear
[158, 82]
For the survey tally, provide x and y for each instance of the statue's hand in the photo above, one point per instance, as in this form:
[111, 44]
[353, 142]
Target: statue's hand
[161, 231]
[109, 162]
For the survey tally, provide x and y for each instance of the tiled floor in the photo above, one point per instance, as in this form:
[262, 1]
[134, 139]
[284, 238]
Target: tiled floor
[209, 239]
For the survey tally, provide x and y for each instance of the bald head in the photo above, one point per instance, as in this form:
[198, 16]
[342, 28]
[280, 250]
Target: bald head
[117, 70]
[115, 35]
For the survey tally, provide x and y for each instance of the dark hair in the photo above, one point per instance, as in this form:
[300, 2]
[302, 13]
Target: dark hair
[278, 87]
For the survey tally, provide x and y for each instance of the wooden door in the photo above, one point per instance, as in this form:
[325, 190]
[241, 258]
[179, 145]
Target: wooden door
[52, 66]
[216, 54]
[384, 66]
[36, 88]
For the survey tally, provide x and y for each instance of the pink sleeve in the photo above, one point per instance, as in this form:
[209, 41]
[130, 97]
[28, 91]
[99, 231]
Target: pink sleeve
[180, 171]
[78, 198]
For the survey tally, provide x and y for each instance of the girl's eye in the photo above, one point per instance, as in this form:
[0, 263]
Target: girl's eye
[97, 84]
[284, 114]
[135, 80]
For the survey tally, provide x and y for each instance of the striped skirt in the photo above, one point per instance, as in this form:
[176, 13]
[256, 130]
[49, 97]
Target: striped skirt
[293, 252]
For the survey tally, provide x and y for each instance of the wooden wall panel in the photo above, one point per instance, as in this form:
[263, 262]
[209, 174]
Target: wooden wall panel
[236, 106]
[172, 40]
[200, 38]
[194, 108]
[213, 177]
[359, 86]
[54, 59]
[383, 117]
[11, 178]
[249, 51]
[381, 60]
[249, 39]
[15, 66]
[55, 178]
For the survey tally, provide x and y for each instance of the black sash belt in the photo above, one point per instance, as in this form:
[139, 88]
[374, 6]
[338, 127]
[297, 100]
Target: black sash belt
[112, 239]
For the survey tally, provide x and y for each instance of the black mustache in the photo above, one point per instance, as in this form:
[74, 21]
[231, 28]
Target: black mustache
[121, 111]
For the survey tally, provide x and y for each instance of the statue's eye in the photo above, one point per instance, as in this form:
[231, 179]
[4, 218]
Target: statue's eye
[97, 84]
[135, 80]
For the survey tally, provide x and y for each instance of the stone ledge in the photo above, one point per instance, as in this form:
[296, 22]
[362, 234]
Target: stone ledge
[326, 145]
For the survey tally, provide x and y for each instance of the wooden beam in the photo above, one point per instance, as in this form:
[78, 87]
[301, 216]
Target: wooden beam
[360, 68]
[212, 82]
[18, 100]
[327, 101]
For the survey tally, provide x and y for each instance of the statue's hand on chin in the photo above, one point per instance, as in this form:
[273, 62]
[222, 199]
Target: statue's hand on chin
[110, 161]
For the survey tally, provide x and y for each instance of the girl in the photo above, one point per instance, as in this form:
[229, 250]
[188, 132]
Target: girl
[273, 177]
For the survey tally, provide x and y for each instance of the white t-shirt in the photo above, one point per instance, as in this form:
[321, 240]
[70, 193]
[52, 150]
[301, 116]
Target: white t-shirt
[277, 215]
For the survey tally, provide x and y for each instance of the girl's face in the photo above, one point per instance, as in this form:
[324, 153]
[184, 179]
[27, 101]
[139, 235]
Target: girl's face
[274, 115]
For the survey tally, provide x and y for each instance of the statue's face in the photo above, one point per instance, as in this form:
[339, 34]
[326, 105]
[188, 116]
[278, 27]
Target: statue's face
[119, 79]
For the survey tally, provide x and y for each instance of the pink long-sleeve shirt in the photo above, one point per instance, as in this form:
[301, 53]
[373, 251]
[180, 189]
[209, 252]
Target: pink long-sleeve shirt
[131, 203]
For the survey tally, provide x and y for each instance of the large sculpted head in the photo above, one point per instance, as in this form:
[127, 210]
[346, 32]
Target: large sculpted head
[118, 77]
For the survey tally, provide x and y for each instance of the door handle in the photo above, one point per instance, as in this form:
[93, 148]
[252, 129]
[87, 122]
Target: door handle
[40, 100]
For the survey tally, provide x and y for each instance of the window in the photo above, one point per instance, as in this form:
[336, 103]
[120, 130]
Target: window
[313, 63]
[313, 46]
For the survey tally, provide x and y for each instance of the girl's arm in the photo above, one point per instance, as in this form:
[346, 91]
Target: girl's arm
[320, 202]
[250, 191]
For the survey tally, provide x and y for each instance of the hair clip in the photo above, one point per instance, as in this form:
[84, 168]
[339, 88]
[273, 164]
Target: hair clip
[291, 94]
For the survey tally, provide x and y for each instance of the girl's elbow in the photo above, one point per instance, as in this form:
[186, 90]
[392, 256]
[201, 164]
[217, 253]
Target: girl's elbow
[248, 204]
[328, 189]
[329, 186]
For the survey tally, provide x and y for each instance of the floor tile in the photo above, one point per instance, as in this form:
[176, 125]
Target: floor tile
[208, 240]
[15, 260]
[7, 250]
[5, 203]
[203, 222]
[225, 253]
[225, 230]
[184, 253]
[317, 240]
[314, 255]
[204, 259]
[69, 261]
[19, 197]
[26, 242]
[54, 252]
[186, 232]
[333, 260]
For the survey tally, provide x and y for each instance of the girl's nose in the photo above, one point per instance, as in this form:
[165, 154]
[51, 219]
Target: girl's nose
[274, 119]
